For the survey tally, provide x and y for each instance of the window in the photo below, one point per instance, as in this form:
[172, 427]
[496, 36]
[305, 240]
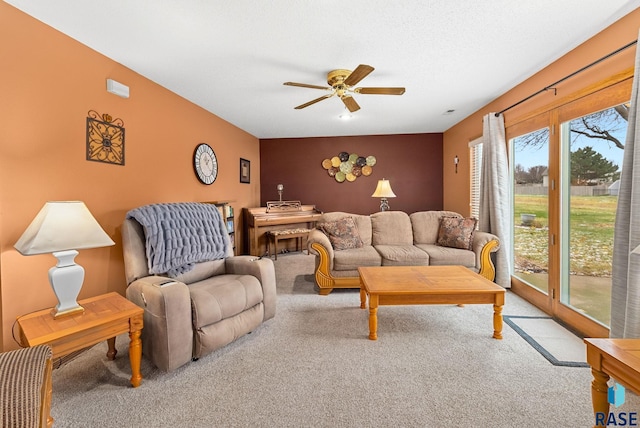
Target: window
[475, 155]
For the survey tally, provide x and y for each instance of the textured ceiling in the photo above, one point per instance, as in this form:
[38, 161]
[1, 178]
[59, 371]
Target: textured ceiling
[232, 56]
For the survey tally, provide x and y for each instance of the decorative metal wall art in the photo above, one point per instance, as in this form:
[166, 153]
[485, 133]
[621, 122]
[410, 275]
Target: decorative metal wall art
[348, 167]
[105, 138]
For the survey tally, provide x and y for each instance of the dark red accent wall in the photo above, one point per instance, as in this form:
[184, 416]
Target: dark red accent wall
[411, 162]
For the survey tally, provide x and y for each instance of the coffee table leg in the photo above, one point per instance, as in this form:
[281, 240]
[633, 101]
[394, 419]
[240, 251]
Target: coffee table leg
[497, 321]
[599, 390]
[363, 298]
[373, 316]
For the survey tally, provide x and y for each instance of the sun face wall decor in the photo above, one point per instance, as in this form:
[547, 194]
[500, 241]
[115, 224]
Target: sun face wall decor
[348, 167]
[105, 138]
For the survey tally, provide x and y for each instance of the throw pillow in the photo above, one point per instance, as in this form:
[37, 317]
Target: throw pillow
[456, 232]
[342, 233]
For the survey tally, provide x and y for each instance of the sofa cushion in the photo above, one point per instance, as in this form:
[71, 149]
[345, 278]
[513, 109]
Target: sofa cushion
[456, 232]
[442, 256]
[363, 223]
[222, 297]
[402, 255]
[391, 228]
[426, 224]
[343, 233]
[355, 258]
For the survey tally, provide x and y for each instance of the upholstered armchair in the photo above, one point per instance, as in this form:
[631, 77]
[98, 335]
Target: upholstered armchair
[25, 387]
[190, 313]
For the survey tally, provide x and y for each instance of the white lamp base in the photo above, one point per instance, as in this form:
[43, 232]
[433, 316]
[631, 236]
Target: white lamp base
[66, 279]
[384, 204]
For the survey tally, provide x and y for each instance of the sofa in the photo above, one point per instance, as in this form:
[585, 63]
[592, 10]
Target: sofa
[189, 313]
[342, 242]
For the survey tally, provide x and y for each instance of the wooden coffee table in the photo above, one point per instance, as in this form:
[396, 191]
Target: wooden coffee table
[426, 285]
[104, 318]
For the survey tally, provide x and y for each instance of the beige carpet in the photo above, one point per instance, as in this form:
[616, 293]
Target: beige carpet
[313, 366]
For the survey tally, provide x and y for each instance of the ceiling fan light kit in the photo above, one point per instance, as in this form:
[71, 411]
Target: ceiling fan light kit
[341, 84]
[345, 115]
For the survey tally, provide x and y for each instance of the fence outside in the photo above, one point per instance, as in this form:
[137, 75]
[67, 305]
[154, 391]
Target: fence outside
[539, 189]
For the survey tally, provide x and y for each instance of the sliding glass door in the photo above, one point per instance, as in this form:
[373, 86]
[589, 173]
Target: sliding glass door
[565, 165]
[592, 149]
[530, 187]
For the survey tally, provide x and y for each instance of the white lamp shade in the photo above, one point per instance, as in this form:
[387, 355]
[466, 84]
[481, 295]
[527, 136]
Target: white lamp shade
[62, 225]
[383, 190]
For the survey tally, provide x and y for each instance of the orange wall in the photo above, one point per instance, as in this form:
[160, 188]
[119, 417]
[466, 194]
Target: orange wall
[456, 139]
[48, 83]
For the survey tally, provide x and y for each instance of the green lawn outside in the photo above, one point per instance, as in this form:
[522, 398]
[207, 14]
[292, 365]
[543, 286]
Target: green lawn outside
[591, 249]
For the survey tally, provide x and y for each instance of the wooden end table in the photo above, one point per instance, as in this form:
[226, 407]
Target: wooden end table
[618, 358]
[427, 285]
[104, 318]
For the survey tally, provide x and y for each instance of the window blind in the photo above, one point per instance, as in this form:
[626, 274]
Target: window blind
[475, 155]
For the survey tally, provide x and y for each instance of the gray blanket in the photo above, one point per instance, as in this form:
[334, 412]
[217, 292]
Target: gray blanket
[181, 234]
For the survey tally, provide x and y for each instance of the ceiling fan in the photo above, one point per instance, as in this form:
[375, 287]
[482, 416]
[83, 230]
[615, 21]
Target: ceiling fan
[341, 84]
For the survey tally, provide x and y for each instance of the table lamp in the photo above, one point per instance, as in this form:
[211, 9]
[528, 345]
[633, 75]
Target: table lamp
[61, 228]
[383, 191]
[280, 188]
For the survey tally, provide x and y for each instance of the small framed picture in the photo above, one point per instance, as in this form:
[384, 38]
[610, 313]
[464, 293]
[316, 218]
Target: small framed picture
[245, 171]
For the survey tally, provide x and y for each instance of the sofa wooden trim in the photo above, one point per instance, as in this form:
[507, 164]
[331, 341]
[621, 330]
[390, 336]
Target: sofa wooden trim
[326, 282]
[487, 268]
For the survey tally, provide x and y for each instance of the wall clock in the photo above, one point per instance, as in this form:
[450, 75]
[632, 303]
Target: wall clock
[205, 163]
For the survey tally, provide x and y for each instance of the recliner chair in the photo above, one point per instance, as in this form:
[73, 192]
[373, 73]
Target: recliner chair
[192, 314]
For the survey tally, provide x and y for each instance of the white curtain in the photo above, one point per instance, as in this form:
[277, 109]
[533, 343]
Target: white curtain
[625, 287]
[495, 197]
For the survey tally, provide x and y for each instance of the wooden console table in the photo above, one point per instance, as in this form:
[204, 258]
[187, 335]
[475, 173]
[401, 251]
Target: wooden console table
[104, 318]
[616, 358]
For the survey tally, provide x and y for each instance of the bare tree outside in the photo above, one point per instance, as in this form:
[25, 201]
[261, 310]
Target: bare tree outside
[534, 174]
[602, 125]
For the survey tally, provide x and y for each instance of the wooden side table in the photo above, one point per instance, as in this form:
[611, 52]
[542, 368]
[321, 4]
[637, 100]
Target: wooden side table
[617, 358]
[104, 318]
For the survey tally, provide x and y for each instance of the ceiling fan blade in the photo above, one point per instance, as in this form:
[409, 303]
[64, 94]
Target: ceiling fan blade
[304, 85]
[358, 74]
[350, 103]
[380, 91]
[324, 97]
